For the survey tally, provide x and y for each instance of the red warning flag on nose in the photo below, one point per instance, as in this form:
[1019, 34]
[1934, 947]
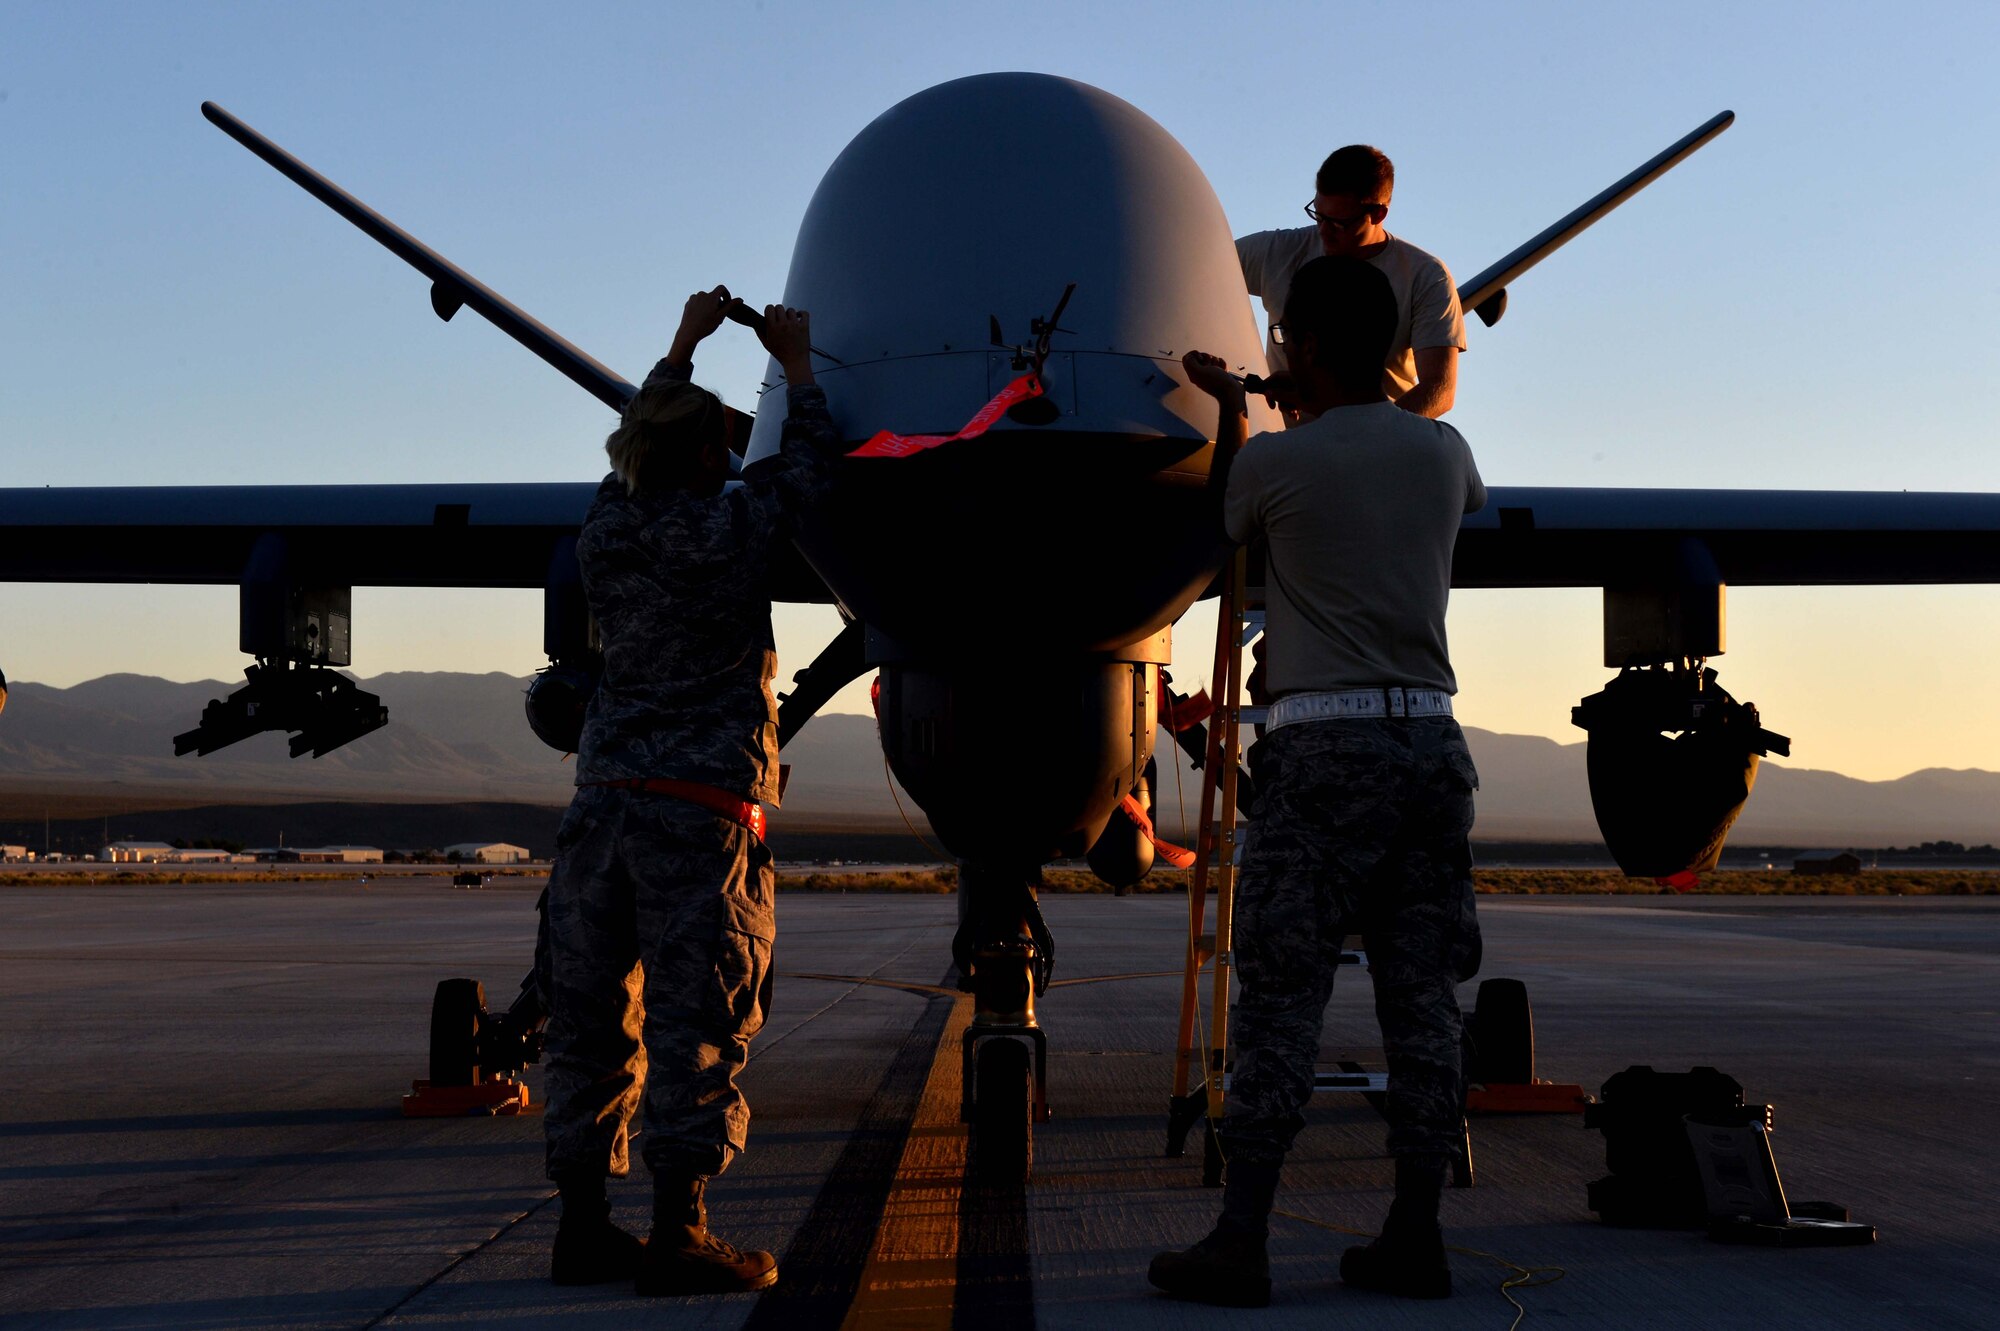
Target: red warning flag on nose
[887, 444]
[1175, 855]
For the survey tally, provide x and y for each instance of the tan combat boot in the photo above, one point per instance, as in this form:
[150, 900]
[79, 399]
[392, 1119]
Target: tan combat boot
[682, 1257]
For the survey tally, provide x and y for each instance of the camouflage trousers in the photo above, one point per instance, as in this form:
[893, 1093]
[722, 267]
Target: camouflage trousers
[1360, 826]
[660, 922]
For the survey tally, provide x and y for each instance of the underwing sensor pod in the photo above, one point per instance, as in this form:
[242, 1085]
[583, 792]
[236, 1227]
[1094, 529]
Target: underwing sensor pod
[299, 630]
[1672, 756]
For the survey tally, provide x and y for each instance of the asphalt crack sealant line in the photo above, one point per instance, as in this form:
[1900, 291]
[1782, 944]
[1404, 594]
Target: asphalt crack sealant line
[880, 1247]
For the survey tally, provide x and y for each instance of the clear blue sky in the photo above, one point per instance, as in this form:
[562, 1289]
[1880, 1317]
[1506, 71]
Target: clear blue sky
[1803, 304]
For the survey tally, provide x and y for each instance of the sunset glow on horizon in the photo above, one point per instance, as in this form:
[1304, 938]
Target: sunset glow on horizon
[1760, 318]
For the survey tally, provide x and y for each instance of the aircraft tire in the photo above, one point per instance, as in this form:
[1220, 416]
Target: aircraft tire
[1503, 1033]
[457, 1009]
[1003, 1141]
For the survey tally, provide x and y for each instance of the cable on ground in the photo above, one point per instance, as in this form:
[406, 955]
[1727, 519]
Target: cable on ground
[1524, 1277]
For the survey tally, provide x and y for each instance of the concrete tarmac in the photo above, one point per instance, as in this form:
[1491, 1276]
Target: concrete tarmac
[200, 1122]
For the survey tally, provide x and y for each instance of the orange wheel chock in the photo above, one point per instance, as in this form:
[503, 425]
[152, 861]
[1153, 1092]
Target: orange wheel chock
[1536, 1097]
[495, 1097]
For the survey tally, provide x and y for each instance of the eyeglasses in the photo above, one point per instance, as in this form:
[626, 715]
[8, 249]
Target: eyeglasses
[1340, 223]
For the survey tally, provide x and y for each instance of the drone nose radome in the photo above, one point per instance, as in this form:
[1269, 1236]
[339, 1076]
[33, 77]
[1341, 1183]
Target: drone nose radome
[1097, 255]
[1096, 246]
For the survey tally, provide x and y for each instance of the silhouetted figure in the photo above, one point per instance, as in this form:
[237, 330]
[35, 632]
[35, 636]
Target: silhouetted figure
[660, 905]
[1364, 783]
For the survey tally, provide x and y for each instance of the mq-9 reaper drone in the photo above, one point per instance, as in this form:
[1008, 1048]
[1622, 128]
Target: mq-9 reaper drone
[1080, 522]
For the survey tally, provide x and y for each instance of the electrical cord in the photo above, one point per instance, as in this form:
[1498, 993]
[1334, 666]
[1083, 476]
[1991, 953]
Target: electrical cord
[1524, 1277]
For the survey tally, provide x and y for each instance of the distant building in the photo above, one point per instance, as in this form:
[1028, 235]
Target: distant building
[494, 852]
[194, 855]
[330, 855]
[134, 852]
[1828, 862]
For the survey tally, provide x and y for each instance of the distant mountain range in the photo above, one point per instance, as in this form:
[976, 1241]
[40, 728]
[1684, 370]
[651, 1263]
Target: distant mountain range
[462, 738]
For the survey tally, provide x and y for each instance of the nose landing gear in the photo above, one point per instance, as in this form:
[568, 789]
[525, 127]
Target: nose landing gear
[1003, 1095]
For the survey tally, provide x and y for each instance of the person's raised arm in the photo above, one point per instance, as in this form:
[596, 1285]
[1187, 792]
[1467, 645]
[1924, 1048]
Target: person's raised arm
[701, 316]
[787, 335]
[809, 443]
[1211, 375]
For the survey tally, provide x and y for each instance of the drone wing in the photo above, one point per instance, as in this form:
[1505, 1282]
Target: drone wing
[1486, 294]
[1561, 537]
[451, 286]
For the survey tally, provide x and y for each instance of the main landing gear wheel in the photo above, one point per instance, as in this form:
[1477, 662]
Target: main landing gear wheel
[1003, 1109]
[457, 1009]
[1503, 1035]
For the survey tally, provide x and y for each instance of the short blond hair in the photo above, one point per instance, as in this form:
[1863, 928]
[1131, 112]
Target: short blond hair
[665, 430]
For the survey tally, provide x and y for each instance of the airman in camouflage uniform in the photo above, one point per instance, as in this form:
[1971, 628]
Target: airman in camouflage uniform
[1360, 827]
[660, 907]
[1363, 782]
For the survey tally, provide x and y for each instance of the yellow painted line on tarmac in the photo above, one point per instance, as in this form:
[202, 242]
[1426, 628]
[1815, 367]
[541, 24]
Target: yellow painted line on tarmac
[910, 1281]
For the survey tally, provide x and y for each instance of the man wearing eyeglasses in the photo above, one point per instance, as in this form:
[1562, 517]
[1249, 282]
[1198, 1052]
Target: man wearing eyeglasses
[1347, 211]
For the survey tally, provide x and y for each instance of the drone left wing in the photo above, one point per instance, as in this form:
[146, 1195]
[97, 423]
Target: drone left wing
[353, 535]
[452, 288]
[296, 552]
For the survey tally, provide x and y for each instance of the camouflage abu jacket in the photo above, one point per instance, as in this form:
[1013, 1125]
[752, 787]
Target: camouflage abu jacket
[678, 586]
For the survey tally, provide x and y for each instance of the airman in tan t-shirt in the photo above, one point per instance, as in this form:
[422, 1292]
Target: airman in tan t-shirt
[1352, 199]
